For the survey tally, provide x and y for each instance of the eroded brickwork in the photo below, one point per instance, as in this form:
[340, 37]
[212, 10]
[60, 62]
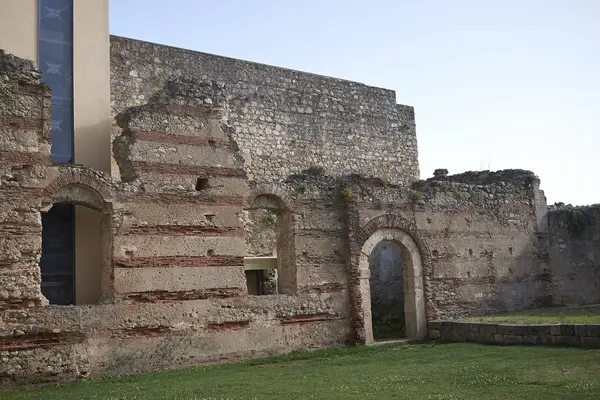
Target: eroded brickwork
[478, 235]
[174, 292]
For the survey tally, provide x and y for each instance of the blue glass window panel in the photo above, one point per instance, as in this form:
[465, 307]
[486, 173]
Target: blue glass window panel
[57, 69]
[56, 63]
[61, 132]
[56, 20]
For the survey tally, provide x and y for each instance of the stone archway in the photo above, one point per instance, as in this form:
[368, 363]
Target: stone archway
[414, 305]
[91, 193]
[390, 228]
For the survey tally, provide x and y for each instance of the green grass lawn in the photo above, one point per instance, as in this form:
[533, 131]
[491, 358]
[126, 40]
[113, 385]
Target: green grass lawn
[576, 315]
[399, 371]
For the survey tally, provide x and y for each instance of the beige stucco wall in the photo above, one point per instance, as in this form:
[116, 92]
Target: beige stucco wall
[91, 84]
[19, 28]
[91, 92]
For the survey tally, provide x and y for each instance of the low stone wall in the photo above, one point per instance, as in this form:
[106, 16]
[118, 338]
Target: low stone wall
[582, 335]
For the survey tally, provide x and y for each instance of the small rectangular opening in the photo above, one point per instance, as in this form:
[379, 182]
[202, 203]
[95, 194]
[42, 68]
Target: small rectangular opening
[259, 280]
[201, 184]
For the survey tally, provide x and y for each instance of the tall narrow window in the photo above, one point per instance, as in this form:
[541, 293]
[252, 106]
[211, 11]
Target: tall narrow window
[55, 48]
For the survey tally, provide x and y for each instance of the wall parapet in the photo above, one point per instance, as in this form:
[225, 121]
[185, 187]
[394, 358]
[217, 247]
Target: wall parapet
[581, 335]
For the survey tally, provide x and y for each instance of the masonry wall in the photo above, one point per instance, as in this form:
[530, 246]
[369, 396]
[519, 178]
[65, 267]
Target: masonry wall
[284, 121]
[482, 247]
[173, 228]
[173, 288]
[574, 240]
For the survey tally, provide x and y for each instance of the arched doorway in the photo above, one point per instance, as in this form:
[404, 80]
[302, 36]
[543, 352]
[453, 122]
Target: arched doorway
[76, 260]
[412, 281]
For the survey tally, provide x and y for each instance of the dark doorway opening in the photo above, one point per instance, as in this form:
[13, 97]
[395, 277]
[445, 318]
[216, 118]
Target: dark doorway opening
[387, 291]
[57, 263]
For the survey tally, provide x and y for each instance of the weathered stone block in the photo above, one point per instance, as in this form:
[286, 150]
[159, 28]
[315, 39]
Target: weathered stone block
[590, 342]
[510, 329]
[538, 330]
[434, 334]
[448, 335]
[555, 329]
[590, 330]
[498, 338]
[488, 328]
[513, 339]
[437, 325]
[569, 340]
[568, 330]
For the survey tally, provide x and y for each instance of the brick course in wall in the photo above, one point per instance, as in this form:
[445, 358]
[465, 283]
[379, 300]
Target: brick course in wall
[174, 292]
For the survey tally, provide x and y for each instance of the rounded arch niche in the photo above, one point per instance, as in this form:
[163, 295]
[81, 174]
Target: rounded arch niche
[414, 298]
[81, 234]
[274, 200]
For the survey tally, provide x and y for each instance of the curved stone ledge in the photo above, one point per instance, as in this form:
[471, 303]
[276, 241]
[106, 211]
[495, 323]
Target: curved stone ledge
[581, 335]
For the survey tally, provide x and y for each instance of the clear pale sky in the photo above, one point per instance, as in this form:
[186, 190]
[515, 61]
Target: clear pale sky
[495, 83]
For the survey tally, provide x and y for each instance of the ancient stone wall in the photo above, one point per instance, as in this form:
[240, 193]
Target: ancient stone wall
[481, 245]
[174, 228]
[574, 248]
[174, 292]
[284, 121]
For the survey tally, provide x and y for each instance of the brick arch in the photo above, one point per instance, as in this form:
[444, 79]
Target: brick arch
[87, 188]
[276, 193]
[402, 231]
[77, 187]
[274, 198]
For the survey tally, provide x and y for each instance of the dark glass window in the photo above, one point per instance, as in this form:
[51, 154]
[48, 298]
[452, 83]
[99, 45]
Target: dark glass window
[55, 40]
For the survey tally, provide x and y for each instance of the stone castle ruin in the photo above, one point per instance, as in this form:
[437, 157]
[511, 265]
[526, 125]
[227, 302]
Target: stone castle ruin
[257, 210]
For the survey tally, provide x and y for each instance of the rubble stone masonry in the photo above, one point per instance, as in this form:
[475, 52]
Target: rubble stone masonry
[174, 291]
[284, 121]
[200, 144]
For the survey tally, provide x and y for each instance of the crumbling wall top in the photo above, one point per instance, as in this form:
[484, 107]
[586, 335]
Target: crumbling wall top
[484, 177]
[13, 68]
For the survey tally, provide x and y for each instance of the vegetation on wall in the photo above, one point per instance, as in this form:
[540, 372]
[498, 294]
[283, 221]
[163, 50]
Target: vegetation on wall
[269, 219]
[345, 193]
[415, 196]
[300, 189]
[314, 170]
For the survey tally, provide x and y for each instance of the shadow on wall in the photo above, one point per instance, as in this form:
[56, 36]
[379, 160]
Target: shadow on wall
[574, 240]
